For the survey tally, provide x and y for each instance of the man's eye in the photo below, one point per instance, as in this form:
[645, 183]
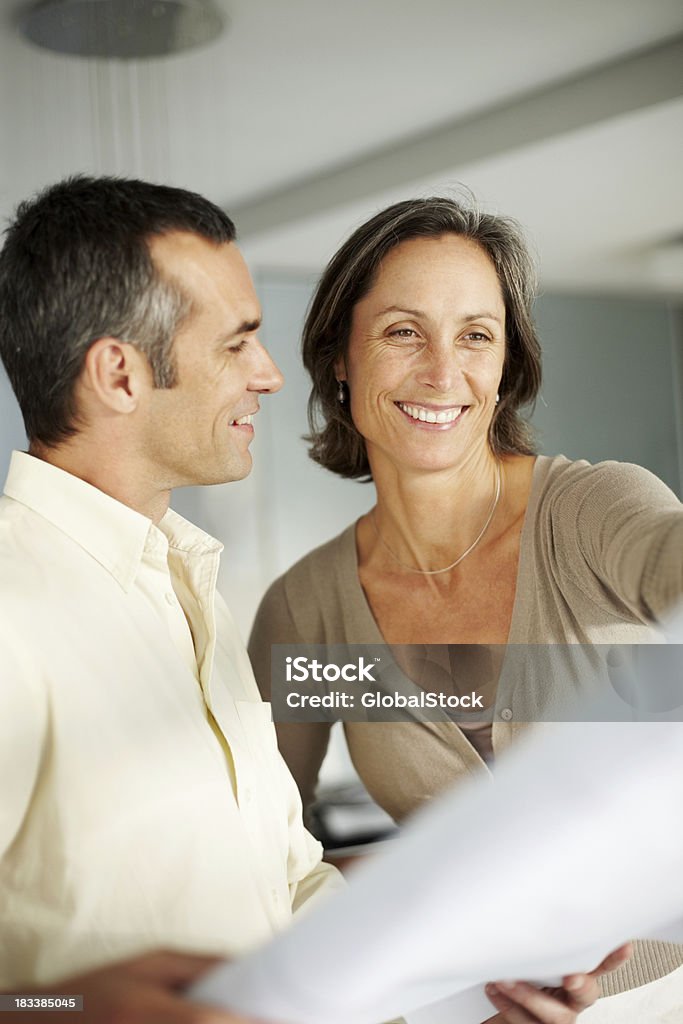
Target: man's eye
[238, 348]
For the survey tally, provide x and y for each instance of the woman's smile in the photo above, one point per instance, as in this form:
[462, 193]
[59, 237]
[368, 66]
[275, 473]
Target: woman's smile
[439, 417]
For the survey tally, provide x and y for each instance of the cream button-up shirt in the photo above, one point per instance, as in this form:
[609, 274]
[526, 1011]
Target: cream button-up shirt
[143, 801]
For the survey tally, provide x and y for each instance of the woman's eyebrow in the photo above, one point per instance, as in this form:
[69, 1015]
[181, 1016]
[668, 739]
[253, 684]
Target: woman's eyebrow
[466, 318]
[402, 309]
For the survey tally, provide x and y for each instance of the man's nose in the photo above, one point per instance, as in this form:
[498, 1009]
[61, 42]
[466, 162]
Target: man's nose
[267, 377]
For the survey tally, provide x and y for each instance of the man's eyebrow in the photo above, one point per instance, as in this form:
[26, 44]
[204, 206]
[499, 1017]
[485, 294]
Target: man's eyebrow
[246, 327]
[467, 318]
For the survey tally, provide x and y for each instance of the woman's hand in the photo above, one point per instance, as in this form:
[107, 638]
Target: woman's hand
[518, 1002]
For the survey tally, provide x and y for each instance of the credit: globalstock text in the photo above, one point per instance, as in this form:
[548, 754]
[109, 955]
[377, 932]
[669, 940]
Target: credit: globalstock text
[376, 699]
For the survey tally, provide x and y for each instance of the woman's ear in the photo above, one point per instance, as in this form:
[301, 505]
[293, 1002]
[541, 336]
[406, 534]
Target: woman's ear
[340, 368]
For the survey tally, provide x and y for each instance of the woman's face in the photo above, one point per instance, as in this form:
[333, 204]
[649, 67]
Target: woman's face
[426, 353]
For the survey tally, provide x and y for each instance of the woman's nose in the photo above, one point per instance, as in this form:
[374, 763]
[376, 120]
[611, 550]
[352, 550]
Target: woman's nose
[440, 368]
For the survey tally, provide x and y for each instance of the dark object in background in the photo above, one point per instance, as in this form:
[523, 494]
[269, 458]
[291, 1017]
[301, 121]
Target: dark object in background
[345, 817]
[123, 29]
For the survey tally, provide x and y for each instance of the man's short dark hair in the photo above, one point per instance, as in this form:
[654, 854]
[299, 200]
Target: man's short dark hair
[76, 267]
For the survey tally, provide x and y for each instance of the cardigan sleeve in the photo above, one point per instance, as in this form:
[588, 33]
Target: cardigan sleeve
[302, 744]
[618, 533]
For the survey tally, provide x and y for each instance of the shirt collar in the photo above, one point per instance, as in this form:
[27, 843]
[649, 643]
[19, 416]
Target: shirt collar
[113, 533]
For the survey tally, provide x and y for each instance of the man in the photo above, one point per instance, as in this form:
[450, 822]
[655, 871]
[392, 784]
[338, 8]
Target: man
[144, 803]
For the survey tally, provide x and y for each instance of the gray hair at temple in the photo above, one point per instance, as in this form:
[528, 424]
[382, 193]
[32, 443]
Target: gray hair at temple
[334, 441]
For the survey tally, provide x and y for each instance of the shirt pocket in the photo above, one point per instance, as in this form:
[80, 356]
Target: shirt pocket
[256, 716]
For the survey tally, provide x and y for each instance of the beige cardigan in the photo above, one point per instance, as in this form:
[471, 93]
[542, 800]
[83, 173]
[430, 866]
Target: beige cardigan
[601, 559]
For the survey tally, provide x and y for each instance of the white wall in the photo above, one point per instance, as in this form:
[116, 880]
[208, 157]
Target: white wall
[610, 386]
[12, 434]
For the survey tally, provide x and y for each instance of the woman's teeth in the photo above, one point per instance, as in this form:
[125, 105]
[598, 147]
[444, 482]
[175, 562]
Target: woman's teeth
[242, 421]
[418, 412]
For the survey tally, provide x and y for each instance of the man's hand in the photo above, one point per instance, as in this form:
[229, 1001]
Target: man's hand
[518, 1002]
[145, 990]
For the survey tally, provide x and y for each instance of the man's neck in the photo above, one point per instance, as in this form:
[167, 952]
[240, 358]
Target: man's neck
[113, 475]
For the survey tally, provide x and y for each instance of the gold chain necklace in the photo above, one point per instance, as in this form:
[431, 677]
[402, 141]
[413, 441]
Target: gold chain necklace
[435, 572]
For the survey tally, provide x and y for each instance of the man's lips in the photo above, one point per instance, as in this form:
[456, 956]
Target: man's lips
[439, 415]
[245, 420]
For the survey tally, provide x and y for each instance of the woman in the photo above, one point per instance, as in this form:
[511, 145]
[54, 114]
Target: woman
[422, 351]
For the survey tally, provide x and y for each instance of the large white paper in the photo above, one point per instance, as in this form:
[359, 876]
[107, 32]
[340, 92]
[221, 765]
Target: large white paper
[577, 847]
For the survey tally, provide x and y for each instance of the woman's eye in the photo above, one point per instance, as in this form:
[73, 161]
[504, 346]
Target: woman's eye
[403, 332]
[477, 337]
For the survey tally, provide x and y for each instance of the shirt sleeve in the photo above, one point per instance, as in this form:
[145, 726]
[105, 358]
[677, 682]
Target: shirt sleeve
[302, 744]
[23, 726]
[618, 534]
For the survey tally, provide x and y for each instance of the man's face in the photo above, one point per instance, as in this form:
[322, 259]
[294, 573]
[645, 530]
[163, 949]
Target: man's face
[199, 431]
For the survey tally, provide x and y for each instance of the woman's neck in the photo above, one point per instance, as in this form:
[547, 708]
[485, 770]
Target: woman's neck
[428, 519]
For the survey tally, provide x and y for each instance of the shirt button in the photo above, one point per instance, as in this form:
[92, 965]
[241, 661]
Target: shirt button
[170, 598]
[247, 795]
[506, 714]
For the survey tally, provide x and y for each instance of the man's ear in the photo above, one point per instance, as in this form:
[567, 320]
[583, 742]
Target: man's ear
[116, 373]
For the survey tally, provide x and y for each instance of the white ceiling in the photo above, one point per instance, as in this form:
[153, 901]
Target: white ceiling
[297, 90]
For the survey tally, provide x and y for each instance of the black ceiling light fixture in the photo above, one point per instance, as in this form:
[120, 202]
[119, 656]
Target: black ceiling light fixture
[123, 29]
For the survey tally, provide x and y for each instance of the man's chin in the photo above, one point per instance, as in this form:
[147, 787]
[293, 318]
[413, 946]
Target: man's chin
[209, 476]
[227, 475]
[237, 476]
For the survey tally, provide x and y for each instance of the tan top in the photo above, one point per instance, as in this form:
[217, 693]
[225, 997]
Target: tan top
[601, 559]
